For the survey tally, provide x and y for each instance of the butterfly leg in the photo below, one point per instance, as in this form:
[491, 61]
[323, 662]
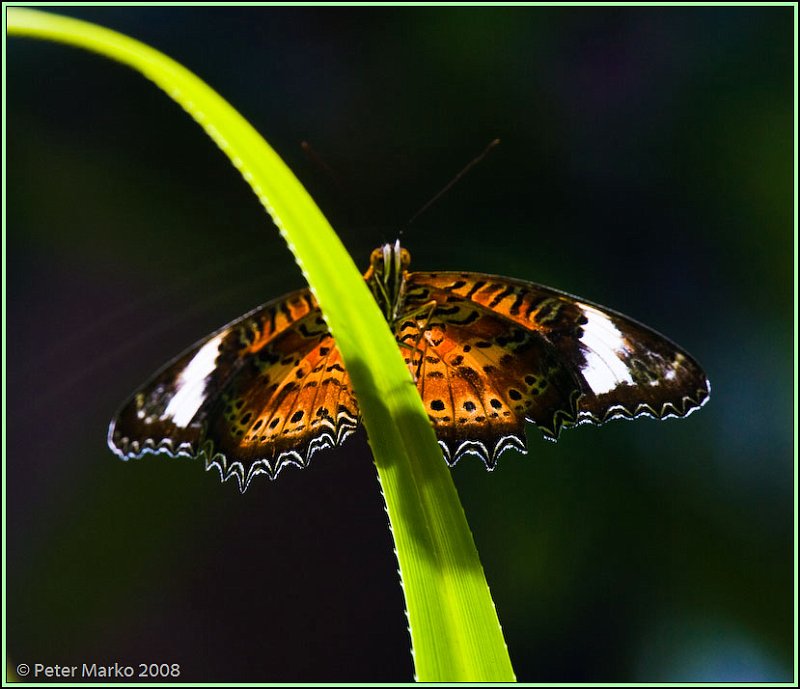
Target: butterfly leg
[427, 310]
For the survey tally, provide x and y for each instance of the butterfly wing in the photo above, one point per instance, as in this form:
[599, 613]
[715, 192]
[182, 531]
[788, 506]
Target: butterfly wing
[270, 388]
[543, 355]
[266, 390]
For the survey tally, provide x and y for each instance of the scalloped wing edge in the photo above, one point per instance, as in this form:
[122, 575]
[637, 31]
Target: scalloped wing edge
[270, 466]
[689, 404]
[562, 420]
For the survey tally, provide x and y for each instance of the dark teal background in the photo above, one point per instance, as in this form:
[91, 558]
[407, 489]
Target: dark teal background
[646, 164]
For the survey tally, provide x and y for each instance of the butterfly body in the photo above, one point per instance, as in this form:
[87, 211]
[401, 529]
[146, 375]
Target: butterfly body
[487, 353]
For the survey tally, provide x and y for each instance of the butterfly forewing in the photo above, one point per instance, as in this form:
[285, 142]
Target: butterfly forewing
[234, 396]
[620, 367]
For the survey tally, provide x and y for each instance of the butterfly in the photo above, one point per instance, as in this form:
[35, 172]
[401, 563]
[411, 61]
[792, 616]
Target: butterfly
[487, 353]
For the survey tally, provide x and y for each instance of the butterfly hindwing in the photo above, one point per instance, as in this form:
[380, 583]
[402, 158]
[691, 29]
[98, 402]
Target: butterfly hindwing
[480, 377]
[290, 400]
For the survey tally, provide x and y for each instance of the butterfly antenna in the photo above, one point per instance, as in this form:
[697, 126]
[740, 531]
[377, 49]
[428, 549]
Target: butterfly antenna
[350, 205]
[471, 164]
[320, 163]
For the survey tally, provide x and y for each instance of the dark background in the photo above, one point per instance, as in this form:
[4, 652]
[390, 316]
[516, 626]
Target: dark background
[646, 163]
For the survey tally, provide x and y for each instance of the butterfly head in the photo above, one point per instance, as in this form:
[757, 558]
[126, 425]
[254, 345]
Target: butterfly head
[385, 276]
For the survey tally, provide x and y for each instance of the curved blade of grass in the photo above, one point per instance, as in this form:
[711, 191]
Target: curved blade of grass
[454, 627]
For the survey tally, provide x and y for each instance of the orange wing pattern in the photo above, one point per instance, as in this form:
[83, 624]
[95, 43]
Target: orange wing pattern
[488, 353]
[267, 390]
[544, 356]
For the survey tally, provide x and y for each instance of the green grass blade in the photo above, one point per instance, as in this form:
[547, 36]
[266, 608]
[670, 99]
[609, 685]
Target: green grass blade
[455, 632]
